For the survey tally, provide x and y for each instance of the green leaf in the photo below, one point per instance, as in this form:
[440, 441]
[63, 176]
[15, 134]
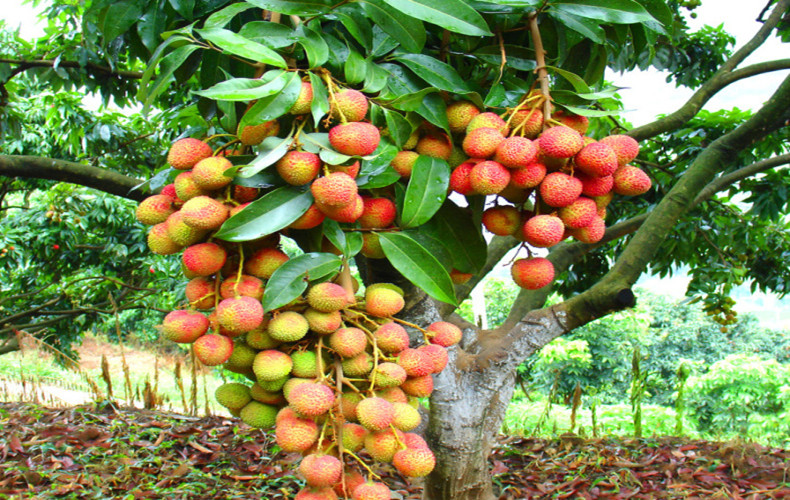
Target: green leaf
[290, 279]
[355, 68]
[516, 57]
[168, 66]
[398, 126]
[266, 215]
[320, 105]
[151, 24]
[408, 31]
[375, 77]
[418, 266]
[272, 35]
[120, 17]
[426, 191]
[453, 15]
[434, 109]
[592, 113]
[612, 11]
[435, 72]
[183, 7]
[462, 237]
[292, 8]
[271, 150]
[588, 28]
[354, 20]
[244, 47]
[575, 80]
[274, 106]
[222, 17]
[314, 46]
[348, 243]
[245, 89]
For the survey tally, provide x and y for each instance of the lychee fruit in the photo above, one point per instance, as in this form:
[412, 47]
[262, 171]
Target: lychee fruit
[258, 415]
[578, 214]
[298, 167]
[459, 277]
[560, 142]
[391, 338]
[200, 293]
[213, 349]
[184, 326]
[159, 241]
[382, 302]
[371, 246]
[323, 323]
[444, 333]
[358, 366]
[354, 138]
[204, 259]
[625, 147]
[578, 123]
[252, 135]
[244, 194]
[502, 220]
[543, 231]
[403, 163]
[435, 146]
[527, 123]
[382, 445]
[353, 437]
[371, 491]
[420, 387]
[295, 434]
[348, 106]
[459, 179]
[185, 153]
[240, 314]
[387, 375]
[596, 186]
[233, 395]
[348, 213]
[182, 233]
[203, 212]
[313, 217]
[348, 342]
[488, 177]
[327, 297]
[378, 213]
[304, 101]
[532, 273]
[155, 209]
[185, 186]
[351, 170]
[311, 399]
[305, 364]
[375, 414]
[631, 181]
[334, 190]
[529, 176]
[288, 326]
[516, 152]
[559, 189]
[596, 159]
[459, 114]
[321, 471]
[437, 355]
[243, 285]
[271, 365]
[482, 142]
[591, 233]
[417, 462]
[264, 262]
[209, 173]
[490, 120]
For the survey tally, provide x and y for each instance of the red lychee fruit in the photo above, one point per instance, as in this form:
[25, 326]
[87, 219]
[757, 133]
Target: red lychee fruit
[354, 138]
[184, 326]
[420, 387]
[321, 471]
[200, 293]
[391, 338]
[159, 242]
[488, 177]
[182, 233]
[490, 120]
[304, 101]
[414, 363]
[435, 146]
[295, 434]
[335, 190]
[209, 173]
[352, 480]
[351, 170]
[371, 491]
[459, 179]
[625, 147]
[313, 217]
[243, 285]
[240, 314]
[155, 209]
[244, 194]
[375, 414]
[252, 135]
[444, 333]
[348, 106]
[596, 159]
[631, 181]
[591, 233]
[213, 349]
[185, 186]
[482, 142]
[327, 297]
[348, 342]
[414, 441]
[204, 259]
[417, 462]
[377, 213]
[348, 213]
[383, 302]
[203, 212]
[403, 163]
[502, 220]
[310, 493]
[527, 123]
[596, 186]
[516, 152]
[437, 355]
[264, 262]
[532, 273]
[578, 123]
[185, 153]
[580, 213]
[459, 114]
[298, 167]
[311, 399]
[543, 231]
[529, 176]
[560, 190]
[560, 142]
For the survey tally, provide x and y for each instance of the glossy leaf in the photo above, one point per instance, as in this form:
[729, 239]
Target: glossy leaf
[120, 17]
[399, 127]
[291, 279]
[435, 72]
[453, 15]
[274, 106]
[320, 105]
[273, 35]
[462, 237]
[409, 32]
[612, 11]
[355, 68]
[266, 215]
[426, 191]
[245, 89]
[270, 151]
[350, 243]
[418, 266]
[314, 46]
[291, 7]
[222, 17]
[240, 46]
[170, 63]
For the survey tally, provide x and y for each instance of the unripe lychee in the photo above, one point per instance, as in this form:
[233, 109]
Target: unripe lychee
[233, 395]
[414, 462]
[596, 186]
[182, 233]
[252, 135]
[596, 159]
[420, 387]
[403, 163]
[437, 355]
[311, 399]
[528, 177]
[305, 364]
[323, 323]
[240, 314]
[592, 232]
[532, 273]
[391, 338]
[459, 114]
[371, 246]
[243, 285]
[304, 101]
[241, 359]
[382, 445]
[631, 181]
[213, 349]
[378, 213]
[313, 217]
[155, 209]
[459, 179]
[382, 303]
[490, 120]
[482, 142]
[527, 123]
[271, 365]
[560, 142]
[185, 186]
[264, 262]
[502, 220]
[347, 214]
[348, 106]
[625, 147]
[516, 152]
[185, 153]
[321, 471]
[444, 333]
[298, 167]
[274, 398]
[578, 214]
[348, 405]
[353, 437]
[488, 177]
[359, 365]
[273, 385]
[209, 173]
[204, 259]
[258, 415]
[295, 434]
[387, 375]
[354, 138]
[435, 146]
[348, 342]
[334, 190]
[203, 212]
[292, 383]
[260, 338]
[288, 326]
[184, 326]
[543, 231]
[200, 293]
[375, 414]
[559, 189]
[159, 242]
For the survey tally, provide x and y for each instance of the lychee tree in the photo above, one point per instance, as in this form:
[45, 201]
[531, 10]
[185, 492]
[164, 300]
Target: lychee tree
[309, 104]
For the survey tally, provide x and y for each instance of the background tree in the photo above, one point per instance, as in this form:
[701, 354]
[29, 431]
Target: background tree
[411, 55]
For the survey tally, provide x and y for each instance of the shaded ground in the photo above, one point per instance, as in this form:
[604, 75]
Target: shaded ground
[92, 453]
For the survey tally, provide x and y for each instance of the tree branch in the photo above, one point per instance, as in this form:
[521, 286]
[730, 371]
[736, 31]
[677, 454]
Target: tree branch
[35, 167]
[24, 65]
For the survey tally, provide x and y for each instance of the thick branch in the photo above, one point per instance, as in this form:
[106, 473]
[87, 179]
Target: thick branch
[24, 65]
[10, 344]
[723, 77]
[35, 167]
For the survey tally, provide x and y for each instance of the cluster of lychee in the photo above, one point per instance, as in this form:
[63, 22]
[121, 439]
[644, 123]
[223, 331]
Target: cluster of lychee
[550, 183]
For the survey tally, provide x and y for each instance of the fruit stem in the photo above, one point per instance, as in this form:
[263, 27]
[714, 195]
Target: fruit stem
[363, 464]
[417, 327]
[331, 87]
[346, 281]
[320, 360]
[224, 146]
[239, 270]
[540, 59]
[337, 422]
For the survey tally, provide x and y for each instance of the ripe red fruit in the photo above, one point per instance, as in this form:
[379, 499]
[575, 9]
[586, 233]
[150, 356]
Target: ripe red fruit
[334, 190]
[459, 179]
[560, 190]
[354, 138]
[533, 273]
[543, 231]
[185, 153]
[560, 142]
[596, 159]
[377, 213]
[631, 181]
[502, 220]
[482, 142]
[516, 152]
[489, 177]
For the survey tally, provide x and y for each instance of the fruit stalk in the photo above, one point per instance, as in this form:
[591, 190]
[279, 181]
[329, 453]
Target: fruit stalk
[540, 59]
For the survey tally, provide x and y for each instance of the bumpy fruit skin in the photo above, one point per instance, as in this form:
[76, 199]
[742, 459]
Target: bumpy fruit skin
[378, 213]
[459, 179]
[591, 233]
[241, 359]
[204, 259]
[578, 123]
[213, 349]
[311, 399]
[348, 213]
[155, 209]
[321, 471]
[388, 375]
[488, 119]
[351, 104]
[184, 326]
[200, 293]
[258, 415]
[532, 273]
[352, 480]
[459, 114]
[313, 217]
[264, 262]
[437, 355]
[444, 333]
[516, 152]
[182, 233]
[414, 363]
[371, 491]
[482, 142]
[327, 297]
[159, 242]
[203, 212]
[529, 176]
[240, 314]
[596, 159]
[355, 138]
[185, 153]
[527, 123]
[414, 441]
[298, 167]
[624, 146]
[560, 190]
[243, 285]
[382, 445]
[580, 213]
[294, 434]
[252, 135]
[420, 387]
[185, 186]
[244, 194]
[288, 326]
[596, 186]
[414, 462]
[489, 177]
[382, 302]
[209, 173]
[543, 231]
[272, 365]
[334, 190]
[502, 220]
[391, 338]
[348, 342]
[631, 181]
[375, 414]
[435, 146]
[403, 163]
[323, 323]
[560, 142]
[371, 246]
[304, 101]
[233, 395]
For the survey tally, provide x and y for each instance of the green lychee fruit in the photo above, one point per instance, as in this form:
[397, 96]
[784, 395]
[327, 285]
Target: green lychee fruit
[288, 326]
[327, 297]
[271, 365]
[204, 259]
[559, 189]
[490, 120]
[273, 385]
[258, 415]
[353, 437]
[233, 395]
[560, 142]
[435, 145]
[264, 262]
[348, 106]
[502, 220]
[387, 375]
[437, 355]
[241, 359]
[532, 273]
[414, 462]
[184, 326]
[459, 114]
[348, 405]
[213, 349]
[311, 399]
[334, 190]
[406, 417]
[444, 333]
[304, 101]
[323, 323]
[489, 177]
[382, 303]
[203, 212]
[305, 364]
[321, 471]
[403, 163]
[185, 186]
[260, 338]
[354, 138]
[159, 242]
[358, 366]
[181, 233]
[348, 342]
[298, 167]
[631, 181]
[274, 398]
[482, 142]
[378, 213]
[371, 246]
[185, 153]
[155, 209]
[209, 173]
